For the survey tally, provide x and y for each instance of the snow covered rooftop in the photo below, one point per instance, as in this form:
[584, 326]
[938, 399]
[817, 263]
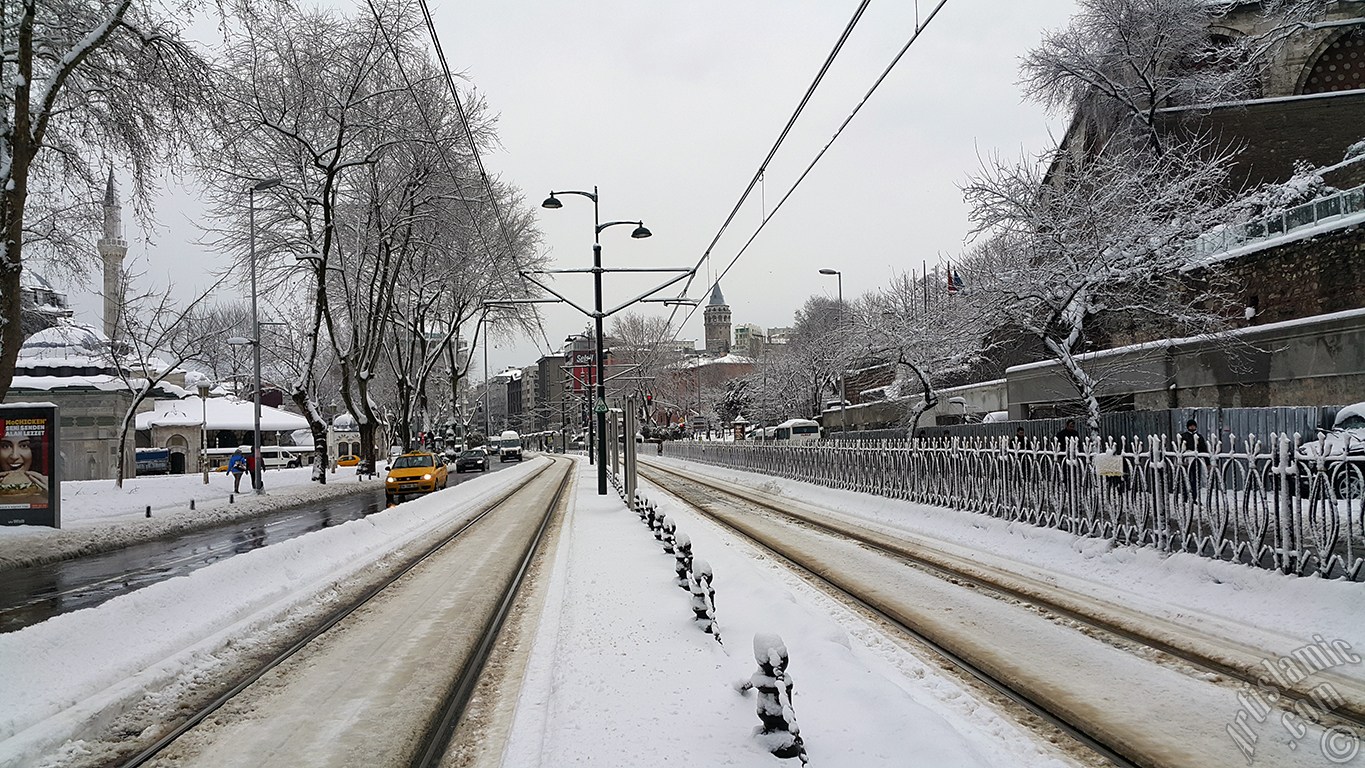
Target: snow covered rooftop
[730, 359]
[222, 413]
[65, 345]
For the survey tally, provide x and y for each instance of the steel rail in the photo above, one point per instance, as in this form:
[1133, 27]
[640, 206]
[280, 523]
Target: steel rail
[1077, 732]
[457, 701]
[1347, 714]
[330, 621]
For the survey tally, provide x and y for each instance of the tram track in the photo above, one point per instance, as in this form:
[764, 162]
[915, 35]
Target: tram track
[431, 736]
[1201, 657]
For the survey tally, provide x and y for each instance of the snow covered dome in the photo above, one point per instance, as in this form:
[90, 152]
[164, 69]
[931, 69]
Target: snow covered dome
[65, 345]
[345, 422]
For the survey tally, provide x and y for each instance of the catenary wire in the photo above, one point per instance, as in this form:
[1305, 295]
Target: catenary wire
[919, 28]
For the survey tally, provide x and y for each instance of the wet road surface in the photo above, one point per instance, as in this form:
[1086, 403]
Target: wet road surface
[34, 594]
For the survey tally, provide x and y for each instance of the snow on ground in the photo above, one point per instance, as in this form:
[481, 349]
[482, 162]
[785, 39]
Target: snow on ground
[1264, 608]
[97, 516]
[71, 674]
[619, 674]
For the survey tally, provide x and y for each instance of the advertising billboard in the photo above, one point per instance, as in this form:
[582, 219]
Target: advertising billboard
[30, 488]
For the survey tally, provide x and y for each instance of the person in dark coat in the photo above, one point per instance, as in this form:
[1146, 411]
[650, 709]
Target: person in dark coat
[1069, 432]
[1191, 440]
[1192, 443]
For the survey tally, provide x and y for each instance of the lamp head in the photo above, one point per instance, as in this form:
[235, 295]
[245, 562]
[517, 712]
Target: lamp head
[640, 232]
[829, 271]
[238, 341]
[265, 184]
[552, 202]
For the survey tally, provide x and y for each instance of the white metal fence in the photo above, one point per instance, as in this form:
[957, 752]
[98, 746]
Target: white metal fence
[1323, 211]
[1253, 501]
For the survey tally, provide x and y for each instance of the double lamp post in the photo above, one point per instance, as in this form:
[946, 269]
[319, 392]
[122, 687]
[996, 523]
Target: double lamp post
[257, 485]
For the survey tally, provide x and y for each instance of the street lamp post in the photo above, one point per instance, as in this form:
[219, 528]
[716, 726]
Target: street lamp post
[600, 385]
[843, 411]
[256, 482]
[204, 428]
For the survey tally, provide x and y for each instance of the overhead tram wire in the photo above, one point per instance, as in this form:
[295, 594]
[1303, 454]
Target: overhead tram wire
[805, 99]
[469, 138]
[919, 28]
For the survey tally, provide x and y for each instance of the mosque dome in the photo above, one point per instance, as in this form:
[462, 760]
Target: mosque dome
[73, 347]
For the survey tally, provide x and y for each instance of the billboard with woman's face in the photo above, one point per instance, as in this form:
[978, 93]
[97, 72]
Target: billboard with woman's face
[30, 492]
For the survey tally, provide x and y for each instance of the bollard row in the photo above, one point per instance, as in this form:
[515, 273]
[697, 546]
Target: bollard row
[778, 731]
[693, 575]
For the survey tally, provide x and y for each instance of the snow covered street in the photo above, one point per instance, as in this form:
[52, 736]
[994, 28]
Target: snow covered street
[612, 669]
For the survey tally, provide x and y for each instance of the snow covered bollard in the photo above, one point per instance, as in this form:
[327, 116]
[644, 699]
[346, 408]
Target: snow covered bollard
[669, 529]
[682, 555]
[660, 521]
[778, 732]
[703, 598]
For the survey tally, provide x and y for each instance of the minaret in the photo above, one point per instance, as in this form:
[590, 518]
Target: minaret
[112, 249]
[716, 317]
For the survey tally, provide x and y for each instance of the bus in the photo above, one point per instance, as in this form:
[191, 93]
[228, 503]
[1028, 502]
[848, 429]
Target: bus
[797, 432]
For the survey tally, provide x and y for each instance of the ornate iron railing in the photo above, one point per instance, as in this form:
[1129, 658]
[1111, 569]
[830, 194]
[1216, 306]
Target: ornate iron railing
[1260, 502]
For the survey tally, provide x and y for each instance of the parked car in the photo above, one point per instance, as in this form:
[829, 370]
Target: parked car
[472, 459]
[1342, 452]
[413, 474]
[350, 460]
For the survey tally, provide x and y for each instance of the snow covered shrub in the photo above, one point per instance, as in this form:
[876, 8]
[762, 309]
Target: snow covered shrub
[778, 732]
[682, 555]
[704, 598]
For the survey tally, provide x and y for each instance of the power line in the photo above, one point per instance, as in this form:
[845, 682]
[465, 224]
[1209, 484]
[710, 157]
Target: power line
[919, 28]
[478, 159]
[469, 138]
[781, 137]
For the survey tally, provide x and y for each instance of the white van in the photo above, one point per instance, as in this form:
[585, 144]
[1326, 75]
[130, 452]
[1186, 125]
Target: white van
[509, 446]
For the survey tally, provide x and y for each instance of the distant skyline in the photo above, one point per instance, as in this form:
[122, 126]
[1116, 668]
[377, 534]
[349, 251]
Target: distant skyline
[669, 109]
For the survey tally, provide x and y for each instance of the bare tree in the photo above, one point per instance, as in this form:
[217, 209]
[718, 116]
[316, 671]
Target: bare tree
[927, 346]
[310, 97]
[153, 338]
[81, 80]
[1108, 239]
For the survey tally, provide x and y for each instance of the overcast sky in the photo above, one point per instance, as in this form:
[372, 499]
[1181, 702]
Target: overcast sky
[669, 108]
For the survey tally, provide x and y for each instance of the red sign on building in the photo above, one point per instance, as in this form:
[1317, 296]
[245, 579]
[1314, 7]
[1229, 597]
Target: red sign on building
[582, 371]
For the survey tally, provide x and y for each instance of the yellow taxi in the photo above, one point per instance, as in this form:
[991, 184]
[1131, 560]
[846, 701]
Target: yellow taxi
[349, 460]
[414, 473]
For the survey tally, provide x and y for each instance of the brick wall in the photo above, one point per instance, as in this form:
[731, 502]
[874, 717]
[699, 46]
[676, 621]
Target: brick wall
[1273, 134]
[1305, 278]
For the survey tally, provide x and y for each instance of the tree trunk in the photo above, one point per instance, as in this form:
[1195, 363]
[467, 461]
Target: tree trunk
[12, 202]
[930, 398]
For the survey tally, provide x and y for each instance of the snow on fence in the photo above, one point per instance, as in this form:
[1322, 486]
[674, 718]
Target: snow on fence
[1252, 501]
[1322, 211]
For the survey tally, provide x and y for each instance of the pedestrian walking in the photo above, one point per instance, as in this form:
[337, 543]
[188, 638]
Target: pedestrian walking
[236, 467]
